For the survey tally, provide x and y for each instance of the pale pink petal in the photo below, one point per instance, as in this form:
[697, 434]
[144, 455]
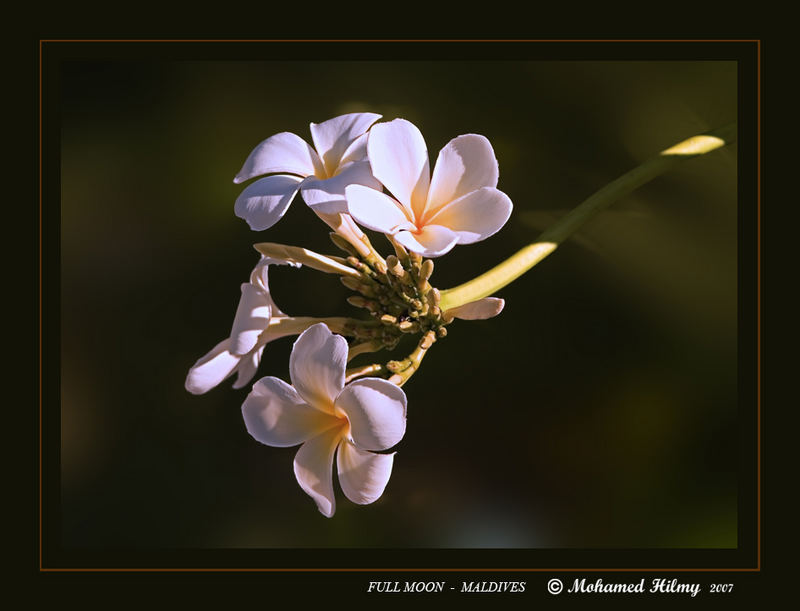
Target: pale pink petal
[212, 368]
[376, 210]
[476, 215]
[263, 203]
[277, 416]
[328, 196]
[260, 277]
[465, 164]
[333, 137]
[357, 151]
[313, 468]
[282, 153]
[247, 367]
[432, 241]
[481, 309]
[399, 159]
[363, 475]
[252, 317]
[376, 410]
[317, 365]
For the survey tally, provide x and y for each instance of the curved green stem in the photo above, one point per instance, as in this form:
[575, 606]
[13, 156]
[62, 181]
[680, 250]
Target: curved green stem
[520, 262]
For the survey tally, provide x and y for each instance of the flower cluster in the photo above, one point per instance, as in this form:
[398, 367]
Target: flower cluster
[377, 176]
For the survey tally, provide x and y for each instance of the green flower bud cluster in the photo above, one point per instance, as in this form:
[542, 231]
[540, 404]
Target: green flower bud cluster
[397, 293]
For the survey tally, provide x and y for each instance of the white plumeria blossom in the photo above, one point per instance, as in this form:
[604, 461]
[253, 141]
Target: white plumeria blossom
[458, 204]
[321, 172]
[241, 352]
[327, 417]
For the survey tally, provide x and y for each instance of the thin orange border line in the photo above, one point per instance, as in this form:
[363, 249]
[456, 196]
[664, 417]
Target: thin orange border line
[398, 570]
[758, 296]
[392, 40]
[40, 305]
[757, 568]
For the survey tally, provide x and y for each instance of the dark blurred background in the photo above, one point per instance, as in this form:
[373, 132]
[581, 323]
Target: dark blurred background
[598, 410]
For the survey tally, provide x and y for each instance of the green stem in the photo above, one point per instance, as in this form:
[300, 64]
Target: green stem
[517, 264]
[281, 326]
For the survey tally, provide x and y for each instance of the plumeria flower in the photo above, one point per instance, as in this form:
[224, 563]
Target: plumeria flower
[328, 417]
[427, 214]
[320, 173]
[241, 352]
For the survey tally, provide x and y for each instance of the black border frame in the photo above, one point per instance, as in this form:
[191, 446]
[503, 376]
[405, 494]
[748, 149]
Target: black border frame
[747, 557]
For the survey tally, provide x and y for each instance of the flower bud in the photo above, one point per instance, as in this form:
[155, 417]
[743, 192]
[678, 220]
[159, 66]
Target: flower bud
[360, 302]
[426, 270]
[408, 326]
[394, 266]
[351, 283]
[395, 366]
[343, 244]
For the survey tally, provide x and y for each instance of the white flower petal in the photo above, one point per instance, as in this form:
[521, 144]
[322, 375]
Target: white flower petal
[263, 203]
[357, 151]
[476, 215]
[376, 410]
[432, 241]
[313, 468]
[260, 277]
[317, 365]
[481, 309]
[363, 475]
[328, 196]
[252, 317]
[248, 367]
[399, 159]
[376, 210]
[465, 164]
[277, 416]
[333, 137]
[284, 152]
[212, 368]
